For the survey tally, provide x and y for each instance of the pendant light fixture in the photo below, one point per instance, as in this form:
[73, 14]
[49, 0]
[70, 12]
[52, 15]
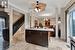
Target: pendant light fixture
[4, 3]
[38, 7]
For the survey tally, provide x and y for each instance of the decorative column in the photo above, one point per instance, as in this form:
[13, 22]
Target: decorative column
[63, 34]
[32, 19]
[56, 22]
[27, 20]
[11, 26]
[56, 26]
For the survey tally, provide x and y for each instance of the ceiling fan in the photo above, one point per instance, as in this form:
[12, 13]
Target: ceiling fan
[38, 6]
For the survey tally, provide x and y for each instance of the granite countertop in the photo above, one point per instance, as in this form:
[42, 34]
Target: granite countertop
[41, 29]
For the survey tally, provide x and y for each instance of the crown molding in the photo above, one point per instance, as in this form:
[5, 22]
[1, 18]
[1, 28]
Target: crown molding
[14, 7]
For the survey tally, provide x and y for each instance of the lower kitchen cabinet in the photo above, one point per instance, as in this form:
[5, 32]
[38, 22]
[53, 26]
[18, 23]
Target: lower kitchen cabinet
[37, 37]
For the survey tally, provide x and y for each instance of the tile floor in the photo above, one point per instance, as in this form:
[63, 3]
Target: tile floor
[57, 44]
[54, 44]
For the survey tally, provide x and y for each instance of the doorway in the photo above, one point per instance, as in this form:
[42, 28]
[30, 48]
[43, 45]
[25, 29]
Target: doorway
[2, 26]
[70, 25]
[4, 23]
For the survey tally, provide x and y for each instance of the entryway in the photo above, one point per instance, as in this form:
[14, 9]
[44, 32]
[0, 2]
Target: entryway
[4, 20]
[2, 25]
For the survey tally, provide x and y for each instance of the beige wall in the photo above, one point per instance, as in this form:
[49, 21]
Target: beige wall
[53, 21]
[16, 16]
[62, 24]
[19, 35]
[1, 9]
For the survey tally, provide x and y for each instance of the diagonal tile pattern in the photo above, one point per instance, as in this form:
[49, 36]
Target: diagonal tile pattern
[57, 44]
[54, 44]
[26, 46]
[3, 44]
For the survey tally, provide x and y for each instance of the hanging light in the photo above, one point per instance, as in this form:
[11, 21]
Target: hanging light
[4, 3]
[37, 9]
[38, 6]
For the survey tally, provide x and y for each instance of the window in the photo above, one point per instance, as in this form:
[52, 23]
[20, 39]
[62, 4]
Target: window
[73, 23]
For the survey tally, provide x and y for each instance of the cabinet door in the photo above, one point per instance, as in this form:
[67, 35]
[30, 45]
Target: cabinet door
[27, 36]
[45, 39]
[37, 37]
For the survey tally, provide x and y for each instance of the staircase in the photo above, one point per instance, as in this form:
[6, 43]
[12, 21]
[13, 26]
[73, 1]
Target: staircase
[18, 24]
[18, 31]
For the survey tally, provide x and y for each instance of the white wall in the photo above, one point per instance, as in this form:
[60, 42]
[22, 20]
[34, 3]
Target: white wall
[53, 21]
[62, 24]
[16, 16]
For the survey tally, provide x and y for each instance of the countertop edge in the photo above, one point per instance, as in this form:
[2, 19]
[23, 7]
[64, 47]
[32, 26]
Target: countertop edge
[40, 29]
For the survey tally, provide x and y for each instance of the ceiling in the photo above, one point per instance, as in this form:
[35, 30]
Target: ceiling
[50, 8]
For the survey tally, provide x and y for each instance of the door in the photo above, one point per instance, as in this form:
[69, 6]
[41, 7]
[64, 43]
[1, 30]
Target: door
[2, 26]
[4, 23]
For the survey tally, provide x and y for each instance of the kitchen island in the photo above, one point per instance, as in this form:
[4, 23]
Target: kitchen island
[38, 36]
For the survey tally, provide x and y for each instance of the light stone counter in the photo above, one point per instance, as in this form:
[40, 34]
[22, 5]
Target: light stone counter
[45, 32]
[40, 29]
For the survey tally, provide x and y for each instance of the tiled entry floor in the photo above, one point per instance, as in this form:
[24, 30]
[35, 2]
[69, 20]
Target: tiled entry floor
[57, 44]
[3, 44]
[26, 46]
[54, 44]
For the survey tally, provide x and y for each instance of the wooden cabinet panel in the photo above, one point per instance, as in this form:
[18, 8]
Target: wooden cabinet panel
[37, 37]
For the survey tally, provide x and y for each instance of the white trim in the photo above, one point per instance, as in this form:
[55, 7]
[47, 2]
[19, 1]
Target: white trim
[12, 7]
[16, 8]
[11, 26]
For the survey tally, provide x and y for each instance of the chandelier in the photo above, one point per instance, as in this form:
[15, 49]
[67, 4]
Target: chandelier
[38, 7]
[3, 3]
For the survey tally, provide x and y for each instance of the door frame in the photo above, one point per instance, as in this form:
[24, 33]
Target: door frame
[6, 17]
[66, 12]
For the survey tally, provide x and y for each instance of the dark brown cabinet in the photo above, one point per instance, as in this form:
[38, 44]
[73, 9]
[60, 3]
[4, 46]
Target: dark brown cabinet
[37, 37]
